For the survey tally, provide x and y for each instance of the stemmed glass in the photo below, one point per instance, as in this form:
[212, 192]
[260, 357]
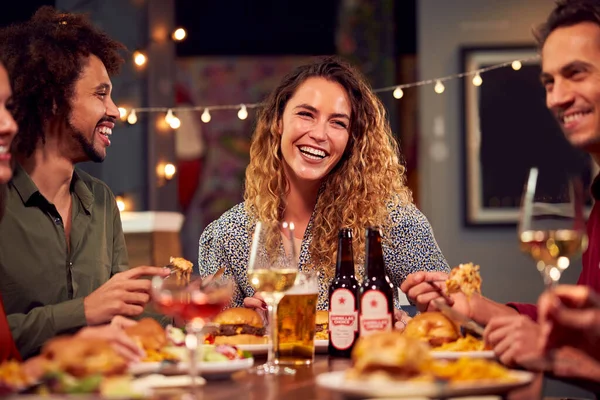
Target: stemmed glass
[551, 223]
[196, 302]
[272, 270]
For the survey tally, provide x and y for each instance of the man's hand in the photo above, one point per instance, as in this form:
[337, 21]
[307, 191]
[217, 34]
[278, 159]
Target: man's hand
[516, 341]
[570, 316]
[123, 294]
[401, 317]
[424, 288]
[117, 338]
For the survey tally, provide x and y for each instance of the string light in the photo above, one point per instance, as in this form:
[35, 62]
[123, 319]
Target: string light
[132, 118]
[205, 117]
[398, 93]
[172, 120]
[243, 113]
[439, 87]
[516, 65]
[120, 203]
[139, 58]
[179, 34]
[169, 171]
[122, 113]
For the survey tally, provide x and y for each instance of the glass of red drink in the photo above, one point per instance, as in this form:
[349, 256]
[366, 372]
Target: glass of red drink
[194, 304]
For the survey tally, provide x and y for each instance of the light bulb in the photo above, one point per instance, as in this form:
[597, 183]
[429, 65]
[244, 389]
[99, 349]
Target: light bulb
[516, 65]
[243, 113]
[139, 58]
[120, 203]
[439, 87]
[477, 81]
[122, 113]
[175, 122]
[169, 171]
[398, 93]
[179, 34]
[132, 118]
[205, 117]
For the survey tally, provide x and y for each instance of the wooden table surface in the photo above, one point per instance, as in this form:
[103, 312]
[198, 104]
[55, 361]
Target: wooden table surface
[302, 385]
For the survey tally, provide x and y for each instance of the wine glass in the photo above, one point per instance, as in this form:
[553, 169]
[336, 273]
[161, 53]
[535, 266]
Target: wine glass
[196, 302]
[551, 224]
[272, 270]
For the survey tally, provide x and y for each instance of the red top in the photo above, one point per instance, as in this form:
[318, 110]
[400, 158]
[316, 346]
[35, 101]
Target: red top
[590, 273]
[8, 349]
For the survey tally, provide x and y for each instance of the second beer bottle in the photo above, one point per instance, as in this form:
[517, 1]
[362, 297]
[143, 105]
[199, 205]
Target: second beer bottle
[343, 300]
[376, 291]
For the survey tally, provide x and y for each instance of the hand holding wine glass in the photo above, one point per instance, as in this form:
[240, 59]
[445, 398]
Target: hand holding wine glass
[552, 225]
[272, 270]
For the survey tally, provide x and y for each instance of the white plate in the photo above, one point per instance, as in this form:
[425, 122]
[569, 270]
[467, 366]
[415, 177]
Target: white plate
[337, 382]
[208, 369]
[156, 381]
[254, 349]
[321, 346]
[454, 355]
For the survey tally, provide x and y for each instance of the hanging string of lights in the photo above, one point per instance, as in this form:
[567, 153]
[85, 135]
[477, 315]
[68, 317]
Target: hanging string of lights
[131, 116]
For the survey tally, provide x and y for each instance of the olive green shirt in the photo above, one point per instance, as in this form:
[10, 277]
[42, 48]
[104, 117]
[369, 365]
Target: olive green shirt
[43, 284]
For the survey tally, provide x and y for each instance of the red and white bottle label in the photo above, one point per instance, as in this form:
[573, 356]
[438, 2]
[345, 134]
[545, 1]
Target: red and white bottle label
[374, 314]
[343, 319]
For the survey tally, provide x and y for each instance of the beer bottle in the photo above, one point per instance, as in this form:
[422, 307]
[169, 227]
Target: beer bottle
[376, 292]
[343, 300]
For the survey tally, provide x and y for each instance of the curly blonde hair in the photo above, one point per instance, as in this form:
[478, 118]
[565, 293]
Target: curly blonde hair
[357, 193]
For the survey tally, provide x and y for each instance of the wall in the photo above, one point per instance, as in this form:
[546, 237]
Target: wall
[443, 28]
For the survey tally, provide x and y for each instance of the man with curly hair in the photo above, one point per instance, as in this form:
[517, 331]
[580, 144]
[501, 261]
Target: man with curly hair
[63, 261]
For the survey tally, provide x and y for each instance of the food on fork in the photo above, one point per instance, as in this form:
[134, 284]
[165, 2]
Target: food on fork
[464, 278]
[432, 327]
[239, 326]
[322, 322]
[182, 268]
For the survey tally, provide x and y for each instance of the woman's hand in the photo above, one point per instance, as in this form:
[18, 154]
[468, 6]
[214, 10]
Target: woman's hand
[258, 304]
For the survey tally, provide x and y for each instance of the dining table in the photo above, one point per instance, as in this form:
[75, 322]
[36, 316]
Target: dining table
[303, 386]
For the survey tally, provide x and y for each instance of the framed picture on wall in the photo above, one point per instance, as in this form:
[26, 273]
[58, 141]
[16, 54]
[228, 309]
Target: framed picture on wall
[507, 129]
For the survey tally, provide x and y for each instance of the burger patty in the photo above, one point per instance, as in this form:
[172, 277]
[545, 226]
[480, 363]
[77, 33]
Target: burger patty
[320, 328]
[232, 330]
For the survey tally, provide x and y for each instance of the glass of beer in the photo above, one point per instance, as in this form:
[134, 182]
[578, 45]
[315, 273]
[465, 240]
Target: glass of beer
[296, 321]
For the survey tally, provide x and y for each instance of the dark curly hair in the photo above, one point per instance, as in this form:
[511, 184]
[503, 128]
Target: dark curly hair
[568, 13]
[44, 58]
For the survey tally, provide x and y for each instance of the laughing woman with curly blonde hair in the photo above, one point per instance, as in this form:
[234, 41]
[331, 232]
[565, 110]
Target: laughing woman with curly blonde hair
[323, 156]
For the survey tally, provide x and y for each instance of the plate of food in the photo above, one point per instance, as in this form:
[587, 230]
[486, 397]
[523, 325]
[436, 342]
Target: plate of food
[217, 361]
[391, 364]
[445, 337]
